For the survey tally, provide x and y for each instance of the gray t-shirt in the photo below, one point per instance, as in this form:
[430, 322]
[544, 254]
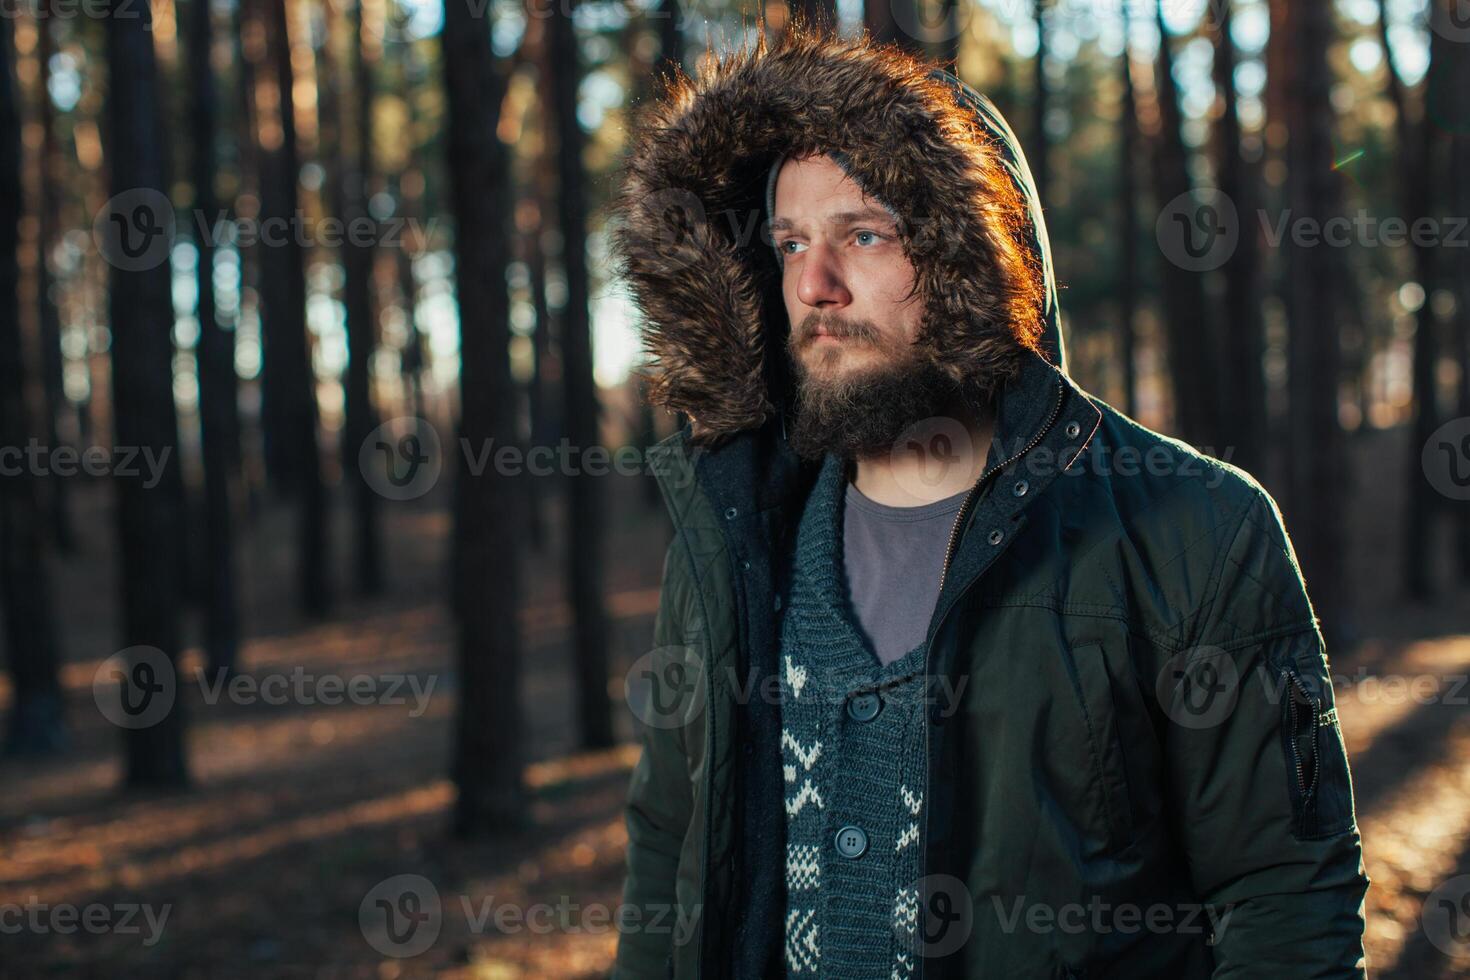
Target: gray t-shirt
[893, 557]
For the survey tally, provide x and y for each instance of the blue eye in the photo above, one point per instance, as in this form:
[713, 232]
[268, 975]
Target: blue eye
[873, 233]
[789, 241]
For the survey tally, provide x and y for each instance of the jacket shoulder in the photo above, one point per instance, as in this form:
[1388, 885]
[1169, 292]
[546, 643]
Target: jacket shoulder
[1210, 536]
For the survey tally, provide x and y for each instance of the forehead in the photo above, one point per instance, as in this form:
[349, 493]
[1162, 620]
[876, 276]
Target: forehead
[816, 189]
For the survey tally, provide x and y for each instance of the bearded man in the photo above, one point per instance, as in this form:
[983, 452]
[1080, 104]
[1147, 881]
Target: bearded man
[958, 671]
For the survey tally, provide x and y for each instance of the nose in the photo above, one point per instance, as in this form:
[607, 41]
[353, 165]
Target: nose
[821, 282]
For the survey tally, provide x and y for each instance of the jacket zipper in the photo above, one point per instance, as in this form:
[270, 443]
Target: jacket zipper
[949, 552]
[1292, 709]
[963, 515]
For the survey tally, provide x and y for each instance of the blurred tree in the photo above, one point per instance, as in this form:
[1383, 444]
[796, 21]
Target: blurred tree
[883, 20]
[543, 386]
[249, 51]
[218, 417]
[37, 725]
[579, 391]
[1459, 259]
[488, 757]
[357, 175]
[1038, 152]
[1192, 363]
[288, 383]
[1128, 222]
[1415, 141]
[1319, 478]
[48, 228]
[410, 205]
[144, 420]
[810, 12]
[1243, 427]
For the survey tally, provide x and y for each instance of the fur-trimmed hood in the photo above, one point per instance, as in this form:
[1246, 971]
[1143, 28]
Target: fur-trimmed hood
[691, 234]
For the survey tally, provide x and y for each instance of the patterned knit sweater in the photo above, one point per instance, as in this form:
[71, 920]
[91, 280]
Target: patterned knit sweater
[852, 748]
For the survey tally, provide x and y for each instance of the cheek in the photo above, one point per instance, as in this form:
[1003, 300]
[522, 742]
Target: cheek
[886, 280]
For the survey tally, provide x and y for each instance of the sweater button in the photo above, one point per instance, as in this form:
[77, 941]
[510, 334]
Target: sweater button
[1073, 430]
[995, 536]
[852, 841]
[864, 707]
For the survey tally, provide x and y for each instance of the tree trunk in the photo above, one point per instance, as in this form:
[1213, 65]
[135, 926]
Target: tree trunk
[37, 725]
[288, 383]
[55, 494]
[1243, 427]
[1414, 139]
[1128, 226]
[1186, 314]
[1039, 152]
[1319, 479]
[488, 757]
[584, 525]
[882, 19]
[357, 264]
[410, 203]
[216, 353]
[816, 12]
[1458, 270]
[144, 419]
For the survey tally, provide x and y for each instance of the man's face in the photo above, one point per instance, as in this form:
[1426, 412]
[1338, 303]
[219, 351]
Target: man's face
[847, 284]
[854, 315]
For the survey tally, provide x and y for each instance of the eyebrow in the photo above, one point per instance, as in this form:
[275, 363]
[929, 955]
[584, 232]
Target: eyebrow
[841, 218]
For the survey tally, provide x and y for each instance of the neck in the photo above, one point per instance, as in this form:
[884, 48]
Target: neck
[939, 458]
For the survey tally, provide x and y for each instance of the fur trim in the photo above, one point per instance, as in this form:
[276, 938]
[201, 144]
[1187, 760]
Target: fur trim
[692, 239]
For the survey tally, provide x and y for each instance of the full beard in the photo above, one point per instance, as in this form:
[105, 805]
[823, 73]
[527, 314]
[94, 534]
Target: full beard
[863, 413]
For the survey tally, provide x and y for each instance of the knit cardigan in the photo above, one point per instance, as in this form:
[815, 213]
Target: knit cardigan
[848, 915]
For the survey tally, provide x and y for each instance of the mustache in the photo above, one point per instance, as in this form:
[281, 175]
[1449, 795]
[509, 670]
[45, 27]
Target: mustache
[846, 329]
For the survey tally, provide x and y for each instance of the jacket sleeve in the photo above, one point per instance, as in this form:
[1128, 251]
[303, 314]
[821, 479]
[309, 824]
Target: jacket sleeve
[657, 814]
[1258, 771]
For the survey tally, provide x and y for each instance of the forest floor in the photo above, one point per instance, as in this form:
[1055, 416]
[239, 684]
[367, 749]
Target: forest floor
[300, 810]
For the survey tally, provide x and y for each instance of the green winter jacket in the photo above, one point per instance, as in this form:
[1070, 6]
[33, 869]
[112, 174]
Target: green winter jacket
[1135, 765]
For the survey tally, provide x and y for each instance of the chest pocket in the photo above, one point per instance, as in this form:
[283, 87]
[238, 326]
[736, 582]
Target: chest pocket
[1093, 689]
